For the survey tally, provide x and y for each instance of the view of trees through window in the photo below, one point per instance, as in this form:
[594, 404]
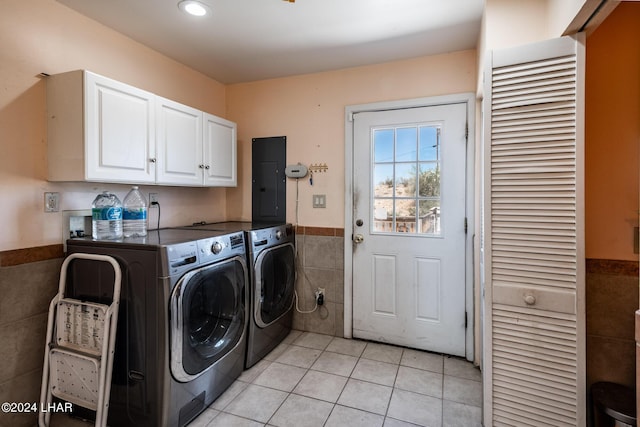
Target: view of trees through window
[406, 173]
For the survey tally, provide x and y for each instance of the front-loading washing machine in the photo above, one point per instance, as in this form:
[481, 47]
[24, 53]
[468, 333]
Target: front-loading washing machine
[271, 254]
[181, 334]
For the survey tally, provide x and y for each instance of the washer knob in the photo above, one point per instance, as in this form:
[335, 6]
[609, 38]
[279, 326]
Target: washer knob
[278, 234]
[216, 248]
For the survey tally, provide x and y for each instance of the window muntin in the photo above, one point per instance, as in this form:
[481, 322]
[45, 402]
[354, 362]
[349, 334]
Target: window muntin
[406, 180]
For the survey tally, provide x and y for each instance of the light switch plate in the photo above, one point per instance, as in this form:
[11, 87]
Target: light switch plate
[319, 200]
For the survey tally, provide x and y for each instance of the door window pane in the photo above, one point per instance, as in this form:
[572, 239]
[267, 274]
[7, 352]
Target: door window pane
[383, 180]
[429, 217]
[406, 180]
[383, 145]
[406, 145]
[429, 180]
[405, 216]
[429, 143]
[383, 215]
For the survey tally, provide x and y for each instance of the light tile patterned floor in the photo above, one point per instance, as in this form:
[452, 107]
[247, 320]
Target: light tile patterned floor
[319, 380]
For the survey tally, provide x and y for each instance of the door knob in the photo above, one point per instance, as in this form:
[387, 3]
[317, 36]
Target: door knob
[358, 238]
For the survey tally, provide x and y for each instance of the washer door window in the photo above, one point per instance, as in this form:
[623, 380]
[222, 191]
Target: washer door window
[274, 283]
[207, 317]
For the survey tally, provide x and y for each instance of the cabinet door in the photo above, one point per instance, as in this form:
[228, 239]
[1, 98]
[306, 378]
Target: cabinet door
[119, 131]
[179, 144]
[220, 151]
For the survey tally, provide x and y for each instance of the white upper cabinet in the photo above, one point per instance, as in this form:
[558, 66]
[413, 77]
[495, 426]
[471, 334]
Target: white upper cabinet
[219, 152]
[179, 143]
[99, 130]
[102, 130]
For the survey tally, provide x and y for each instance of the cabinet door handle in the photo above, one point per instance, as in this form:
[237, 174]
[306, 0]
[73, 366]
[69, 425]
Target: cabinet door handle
[201, 166]
[207, 167]
[529, 299]
[152, 160]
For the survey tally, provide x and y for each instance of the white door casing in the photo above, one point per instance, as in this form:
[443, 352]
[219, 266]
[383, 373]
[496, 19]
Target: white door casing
[409, 282]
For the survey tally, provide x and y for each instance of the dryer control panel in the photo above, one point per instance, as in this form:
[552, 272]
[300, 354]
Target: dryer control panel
[271, 236]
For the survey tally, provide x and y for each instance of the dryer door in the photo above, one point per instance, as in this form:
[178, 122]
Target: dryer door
[208, 316]
[274, 283]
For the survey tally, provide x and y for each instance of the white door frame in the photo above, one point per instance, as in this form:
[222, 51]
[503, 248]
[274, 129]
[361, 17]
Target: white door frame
[469, 99]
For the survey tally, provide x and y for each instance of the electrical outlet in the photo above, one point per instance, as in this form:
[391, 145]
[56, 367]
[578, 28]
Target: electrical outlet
[320, 296]
[153, 198]
[51, 202]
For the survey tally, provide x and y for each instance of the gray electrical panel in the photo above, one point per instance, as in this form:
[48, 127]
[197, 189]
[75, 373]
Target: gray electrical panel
[268, 193]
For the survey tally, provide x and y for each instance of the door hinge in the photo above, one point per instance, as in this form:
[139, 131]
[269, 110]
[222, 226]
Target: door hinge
[466, 132]
[466, 225]
[466, 320]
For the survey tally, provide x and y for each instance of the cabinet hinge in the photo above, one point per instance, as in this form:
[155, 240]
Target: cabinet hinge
[466, 225]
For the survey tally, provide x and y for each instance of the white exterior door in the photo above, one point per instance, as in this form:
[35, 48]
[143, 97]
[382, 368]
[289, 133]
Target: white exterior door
[409, 180]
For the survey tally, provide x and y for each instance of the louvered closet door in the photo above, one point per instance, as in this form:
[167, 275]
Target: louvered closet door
[534, 344]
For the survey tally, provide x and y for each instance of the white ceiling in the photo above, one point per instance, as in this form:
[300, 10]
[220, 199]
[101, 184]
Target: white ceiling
[248, 40]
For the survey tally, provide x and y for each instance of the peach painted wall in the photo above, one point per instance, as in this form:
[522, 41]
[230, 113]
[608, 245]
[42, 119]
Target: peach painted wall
[508, 23]
[613, 134]
[310, 109]
[561, 13]
[44, 36]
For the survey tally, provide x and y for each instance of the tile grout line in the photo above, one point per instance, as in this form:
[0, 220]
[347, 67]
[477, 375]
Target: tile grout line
[393, 387]
[324, 351]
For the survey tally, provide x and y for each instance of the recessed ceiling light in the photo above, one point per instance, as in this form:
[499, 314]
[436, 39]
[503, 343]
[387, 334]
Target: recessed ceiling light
[193, 7]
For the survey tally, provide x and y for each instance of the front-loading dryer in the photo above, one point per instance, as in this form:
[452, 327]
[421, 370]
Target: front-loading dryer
[181, 335]
[271, 254]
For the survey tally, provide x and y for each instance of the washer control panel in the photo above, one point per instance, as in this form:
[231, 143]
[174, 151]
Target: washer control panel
[220, 247]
